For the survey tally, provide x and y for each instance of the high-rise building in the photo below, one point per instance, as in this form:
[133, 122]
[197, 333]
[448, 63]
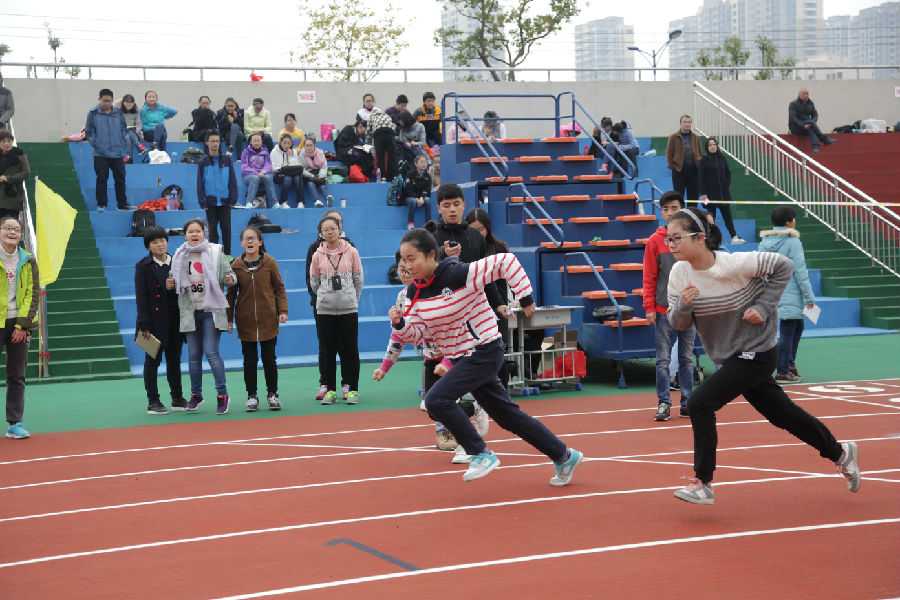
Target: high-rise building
[451, 19]
[683, 50]
[870, 38]
[601, 44]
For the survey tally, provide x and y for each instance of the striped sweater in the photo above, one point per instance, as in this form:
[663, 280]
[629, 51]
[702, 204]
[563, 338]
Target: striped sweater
[733, 284]
[395, 345]
[452, 308]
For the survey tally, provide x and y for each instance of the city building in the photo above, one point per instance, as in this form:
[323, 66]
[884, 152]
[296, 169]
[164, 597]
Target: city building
[603, 44]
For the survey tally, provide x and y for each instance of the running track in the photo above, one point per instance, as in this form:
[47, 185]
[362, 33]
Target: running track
[361, 505]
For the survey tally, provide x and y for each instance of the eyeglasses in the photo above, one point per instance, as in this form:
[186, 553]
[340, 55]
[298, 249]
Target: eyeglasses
[7, 228]
[405, 272]
[672, 241]
[330, 230]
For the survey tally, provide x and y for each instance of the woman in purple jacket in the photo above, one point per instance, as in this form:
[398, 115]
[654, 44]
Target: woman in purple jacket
[256, 166]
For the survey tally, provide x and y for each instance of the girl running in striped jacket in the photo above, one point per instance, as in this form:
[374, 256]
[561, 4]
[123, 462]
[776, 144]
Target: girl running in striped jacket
[446, 302]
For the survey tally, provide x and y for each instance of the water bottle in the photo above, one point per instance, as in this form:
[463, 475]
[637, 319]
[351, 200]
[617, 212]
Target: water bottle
[343, 203]
[171, 202]
[378, 175]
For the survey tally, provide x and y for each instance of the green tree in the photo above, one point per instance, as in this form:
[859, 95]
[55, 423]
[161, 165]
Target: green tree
[505, 32]
[733, 55]
[349, 35]
[54, 42]
[4, 50]
[769, 58]
[706, 59]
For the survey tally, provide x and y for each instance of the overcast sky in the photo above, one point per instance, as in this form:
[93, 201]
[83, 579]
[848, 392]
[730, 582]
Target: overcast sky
[227, 32]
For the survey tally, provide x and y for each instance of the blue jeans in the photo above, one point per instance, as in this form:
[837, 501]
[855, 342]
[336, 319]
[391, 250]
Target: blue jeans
[236, 141]
[292, 182]
[815, 134]
[665, 338]
[205, 340]
[252, 183]
[157, 134]
[788, 341]
[131, 146]
[412, 205]
[314, 190]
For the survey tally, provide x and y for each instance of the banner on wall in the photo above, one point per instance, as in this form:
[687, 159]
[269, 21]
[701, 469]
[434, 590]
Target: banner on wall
[306, 97]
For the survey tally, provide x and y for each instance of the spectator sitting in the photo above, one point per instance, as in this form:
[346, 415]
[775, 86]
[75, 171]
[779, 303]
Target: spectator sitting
[350, 149]
[203, 120]
[462, 129]
[290, 128]
[258, 120]
[429, 116]
[381, 134]
[283, 155]
[230, 119]
[315, 171]
[133, 131]
[399, 106]
[368, 106]
[153, 120]
[411, 137]
[7, 105]
[493, 128]
[418, 190]
[803, 118]
[256, 166]
[627, 143]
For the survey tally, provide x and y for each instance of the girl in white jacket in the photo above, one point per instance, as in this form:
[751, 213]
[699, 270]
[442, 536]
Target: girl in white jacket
[283, 155]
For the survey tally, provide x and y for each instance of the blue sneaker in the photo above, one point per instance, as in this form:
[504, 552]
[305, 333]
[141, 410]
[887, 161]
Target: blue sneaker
[480, 465]
[17, 431]
[564, 471]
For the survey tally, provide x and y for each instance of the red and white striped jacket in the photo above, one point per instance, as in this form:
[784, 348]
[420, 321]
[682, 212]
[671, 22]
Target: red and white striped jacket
[452, 309]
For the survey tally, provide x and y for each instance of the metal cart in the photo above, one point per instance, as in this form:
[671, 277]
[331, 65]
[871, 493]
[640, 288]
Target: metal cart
[544, 317]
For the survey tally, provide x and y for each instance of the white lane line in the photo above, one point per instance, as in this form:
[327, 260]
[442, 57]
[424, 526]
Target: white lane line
[372, 518]
[566, 554]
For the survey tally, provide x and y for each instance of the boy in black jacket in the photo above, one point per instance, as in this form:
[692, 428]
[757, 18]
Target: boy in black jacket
[418, 190]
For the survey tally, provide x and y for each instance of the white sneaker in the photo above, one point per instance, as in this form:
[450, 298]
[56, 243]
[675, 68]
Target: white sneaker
[319, 204]
[738, 240]
[285, 205]
[480, 465]
[300, 205]
[481, 421]
[459, 456]
[276, 205]
[696, 492]
[849, 467]
[422, 405]
[249, 205]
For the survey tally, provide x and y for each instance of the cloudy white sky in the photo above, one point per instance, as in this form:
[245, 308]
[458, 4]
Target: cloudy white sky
[261, 32]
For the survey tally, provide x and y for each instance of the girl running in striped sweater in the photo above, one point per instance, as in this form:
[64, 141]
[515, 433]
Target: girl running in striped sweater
[446, 302]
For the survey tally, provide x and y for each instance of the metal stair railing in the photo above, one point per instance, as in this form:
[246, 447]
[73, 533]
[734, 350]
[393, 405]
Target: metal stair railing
[850, 213]
[631, 167]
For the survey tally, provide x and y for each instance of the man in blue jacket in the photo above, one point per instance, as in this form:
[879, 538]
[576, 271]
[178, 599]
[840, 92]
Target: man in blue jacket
[105, 130]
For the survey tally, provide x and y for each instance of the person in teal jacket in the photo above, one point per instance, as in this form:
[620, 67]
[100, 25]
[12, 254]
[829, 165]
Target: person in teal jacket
[785, 239]
[153, 120]
[20, 297]
[217, 189]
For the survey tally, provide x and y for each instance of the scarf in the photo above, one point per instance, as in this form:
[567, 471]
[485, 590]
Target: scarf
[214, 298]
[316, 160]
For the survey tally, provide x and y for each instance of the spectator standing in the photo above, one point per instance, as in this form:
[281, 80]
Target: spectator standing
[256, 166]
[315, 173]
[683, 155]
[7, 105]
[203, 120]
[399, 106]
[157, 315]
[715, 184]
[410, 138]
[336, 279]
[230, 119]
[494, 128]
[217, 189]
[368, 106]
[418, 190]
[14, 171]
[287, 170]
[258, 120]
[381, 134]
[153, 120]
[785, 240]
[658, 263]
[429, 116]
[134, 133]
[257, 303]
[22, 291]
[627, 143]
[803, 119]
[290, 128]
[200, 271]
[105, 130]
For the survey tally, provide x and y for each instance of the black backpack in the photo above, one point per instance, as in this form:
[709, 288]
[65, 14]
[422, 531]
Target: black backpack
[141, 220]
[263, 223]
[395, 191]
[192, 155]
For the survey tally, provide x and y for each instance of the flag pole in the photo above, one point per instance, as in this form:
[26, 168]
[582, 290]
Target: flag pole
[43, 331]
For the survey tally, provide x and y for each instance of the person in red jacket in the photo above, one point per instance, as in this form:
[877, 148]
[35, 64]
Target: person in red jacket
[658, 262]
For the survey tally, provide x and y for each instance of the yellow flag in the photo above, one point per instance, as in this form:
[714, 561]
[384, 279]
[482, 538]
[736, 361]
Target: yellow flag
[55, 221]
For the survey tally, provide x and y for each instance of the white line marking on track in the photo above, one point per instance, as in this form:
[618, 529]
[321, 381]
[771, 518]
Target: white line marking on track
[570, 553]
[382, 517]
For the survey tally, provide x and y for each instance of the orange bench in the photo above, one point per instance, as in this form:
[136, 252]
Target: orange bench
[515, 179]
[544, 221]
[633, 218]
[627, 266]
[493, 159]
[558, 140]
[632, 322]
[520, 199]
[571, 198]
[602, 295]
[534, 159]
[581, 269]
[576, 158]
[550, 178]
[564, 245]
[589, 220]
[616, 197]
[593, 177]
[609, 243]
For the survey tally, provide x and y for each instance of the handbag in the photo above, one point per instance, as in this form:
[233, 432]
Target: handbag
[609, 313]
[291, 170]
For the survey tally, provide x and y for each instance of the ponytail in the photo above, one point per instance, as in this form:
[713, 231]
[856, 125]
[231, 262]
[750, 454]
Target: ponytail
[695, 220]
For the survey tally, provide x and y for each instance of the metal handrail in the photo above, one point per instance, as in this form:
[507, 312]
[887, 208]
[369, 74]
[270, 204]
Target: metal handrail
[305, 70]
[850, 213]
[655, 209]
[632, 168]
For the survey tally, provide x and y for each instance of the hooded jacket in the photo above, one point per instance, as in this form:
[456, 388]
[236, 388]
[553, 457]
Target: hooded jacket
[151, 117]
[343, 262]
[257, 299]
[216, 183]
[254, 163]
[310, 252]
[658, 263]
[28, 289]
[799, 292]
[14, 164]
[106, 132]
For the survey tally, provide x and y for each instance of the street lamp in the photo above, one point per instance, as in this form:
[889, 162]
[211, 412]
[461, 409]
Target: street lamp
[657, 54]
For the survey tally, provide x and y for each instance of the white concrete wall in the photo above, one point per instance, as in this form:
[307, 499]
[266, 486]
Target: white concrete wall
[47, 109]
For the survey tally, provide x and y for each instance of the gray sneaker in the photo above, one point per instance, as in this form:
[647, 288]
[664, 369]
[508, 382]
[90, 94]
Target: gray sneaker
[662, 412]
[565, 471]
[696, 492]
[849, 467]
[480, 465]
[252, 403]
[274, 402]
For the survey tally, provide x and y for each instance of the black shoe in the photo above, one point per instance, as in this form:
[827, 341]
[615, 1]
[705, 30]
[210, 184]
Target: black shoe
[829, 141]
[684, 413]
[662, 412]
[815, 149]
[673, 384]
[127, 207]
[179, 404]
[155, 407]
